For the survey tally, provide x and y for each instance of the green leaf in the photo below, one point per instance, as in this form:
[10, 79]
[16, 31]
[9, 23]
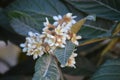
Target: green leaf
[79, 14]
[112, 3]
[63, 54]
[92, 33]
[4, 21]
[3, 18]
[23, 23]
[105, 10]
[110, 70]
[88, 31]
[46, 69]
[84, 67]
[77, 26]
[96, 31]
[39, 7]
[30, 15]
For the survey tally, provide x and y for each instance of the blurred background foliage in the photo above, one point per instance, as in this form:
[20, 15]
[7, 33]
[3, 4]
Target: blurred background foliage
[99, 50]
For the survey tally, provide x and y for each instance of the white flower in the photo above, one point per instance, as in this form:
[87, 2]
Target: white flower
[38, 52]
[36, 49]
[46, 23]
[33, 45]
[60, 37]
[53, 36]
[64, 22]
[57, 17]
[66, 28]
[48, 27]
[69, 18]
[58, 30]
[50, 41]
[73, 38]
[71, 61]
[23, 45]
[60, 41]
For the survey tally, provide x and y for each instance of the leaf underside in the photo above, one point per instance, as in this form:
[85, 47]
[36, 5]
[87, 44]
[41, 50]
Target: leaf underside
[46, 69]
[110, 70]
[63, 54]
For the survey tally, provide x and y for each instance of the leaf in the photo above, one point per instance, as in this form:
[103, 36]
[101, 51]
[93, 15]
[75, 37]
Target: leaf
[84, 67]
[79, 14]
[76, 27]
[4, 21]
[108, 48]
[112, 3]
[117, 29]
[3, 18]
[93, 32]
[98, 7]
[90, 31]
[91, 41]
[23, 23]
[63, 54]
[39, 7]
[111, 44]
[110, 70]
[46, 69]
[32, 14]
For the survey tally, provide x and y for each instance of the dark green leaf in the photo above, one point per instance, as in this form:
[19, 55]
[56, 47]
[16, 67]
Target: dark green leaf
[101, 28]
[23, 23]
[63, 54]
[46, 69]
[3, 18]
[40, 7]
[110, 70]
[88, 31]
[77, 26]
[96, 30]
[97, 7]
[79, 14]
[4, 21]
[30, 15]
[112, 3]
[83, 67]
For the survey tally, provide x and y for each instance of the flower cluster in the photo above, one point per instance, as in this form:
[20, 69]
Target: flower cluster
[71, 61]
[53, 36]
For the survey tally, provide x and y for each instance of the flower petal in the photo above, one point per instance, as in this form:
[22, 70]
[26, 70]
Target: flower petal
[55, 18]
